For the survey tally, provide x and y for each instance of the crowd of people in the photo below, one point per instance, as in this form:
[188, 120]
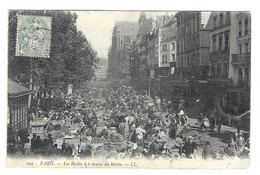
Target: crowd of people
[115, 112]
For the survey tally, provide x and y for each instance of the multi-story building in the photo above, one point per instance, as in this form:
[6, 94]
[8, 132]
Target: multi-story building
[147, 51]
[230, 59]
[192, 44]
[124, 33]
[167, 48]
[146, 26]
[192, 67]
[239, 95]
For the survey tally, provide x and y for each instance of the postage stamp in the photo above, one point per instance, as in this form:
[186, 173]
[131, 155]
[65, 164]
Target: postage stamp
[33, 36]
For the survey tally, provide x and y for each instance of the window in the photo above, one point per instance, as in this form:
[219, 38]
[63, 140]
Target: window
[240, 28]
[219, 68]
[195, 25]
[212, 68]
[173, 57]
[246, 74]
[226, 41]
[220, 42]
[214, 21]
[246, 26]
[225, 69]
[173, 46]
[240, 48]
[246, 47]
[214, 43]
[191, 26]
[198, 24]
[228, 18]
[240, 75]
[165, 59]
[178, 47]
[221, 19]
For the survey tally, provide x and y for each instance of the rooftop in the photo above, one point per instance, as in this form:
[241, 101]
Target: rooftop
[15, 89]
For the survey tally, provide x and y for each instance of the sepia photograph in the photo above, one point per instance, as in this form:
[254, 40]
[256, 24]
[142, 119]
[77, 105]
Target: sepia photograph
[129, 89]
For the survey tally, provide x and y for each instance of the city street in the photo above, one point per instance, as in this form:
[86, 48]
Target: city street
[142, 85]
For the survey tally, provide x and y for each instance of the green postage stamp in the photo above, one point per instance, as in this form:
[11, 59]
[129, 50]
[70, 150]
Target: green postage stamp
[33, 36]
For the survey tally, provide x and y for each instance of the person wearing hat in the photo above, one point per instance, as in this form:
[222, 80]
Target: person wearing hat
[33, 145]
[240, 141]
[189, 147]
[49, 140]
[104, 133]
[206, 153]
[173, 129]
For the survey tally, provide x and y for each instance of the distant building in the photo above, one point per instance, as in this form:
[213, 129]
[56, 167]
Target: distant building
[124, 33]
[146, 26]
[167, 48]
[101, 72]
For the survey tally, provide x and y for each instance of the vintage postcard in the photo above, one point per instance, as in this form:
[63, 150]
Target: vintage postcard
[129, 89]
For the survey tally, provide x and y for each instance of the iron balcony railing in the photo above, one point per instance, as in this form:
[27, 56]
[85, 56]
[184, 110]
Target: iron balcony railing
[243, 58]
[219, 55]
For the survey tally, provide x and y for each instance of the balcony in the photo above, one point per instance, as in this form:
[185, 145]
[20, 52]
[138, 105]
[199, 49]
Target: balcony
[243, 83]
[241, 59]
[220, 55]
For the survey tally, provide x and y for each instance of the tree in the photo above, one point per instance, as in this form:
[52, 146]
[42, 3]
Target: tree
[72, 59]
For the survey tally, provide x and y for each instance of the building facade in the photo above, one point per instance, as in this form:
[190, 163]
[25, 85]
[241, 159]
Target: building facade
[230, 46]
[124, 33]
[18, 116]
[192, 45]
[193, 48]
[149, 62]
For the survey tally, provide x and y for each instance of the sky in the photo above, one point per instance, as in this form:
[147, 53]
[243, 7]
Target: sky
[98, 25]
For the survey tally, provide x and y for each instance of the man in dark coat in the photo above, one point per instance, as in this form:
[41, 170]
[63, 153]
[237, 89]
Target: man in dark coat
[38, 142]
[189, 147]
[173, 129]
[33, 146]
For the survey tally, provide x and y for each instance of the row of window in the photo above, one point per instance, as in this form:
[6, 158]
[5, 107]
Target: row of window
[241, 31]
[220, 41]
[243, 48]
[219, 20]
[186, 16]
[219, 68]
[189, 44]
[243, 74]
[188, 61]
[166, 48]
[165, 58]
[190, 28]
